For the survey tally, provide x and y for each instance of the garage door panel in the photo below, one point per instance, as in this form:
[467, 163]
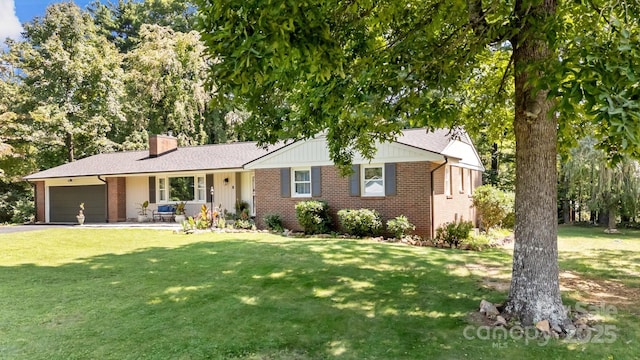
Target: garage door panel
[64, 203]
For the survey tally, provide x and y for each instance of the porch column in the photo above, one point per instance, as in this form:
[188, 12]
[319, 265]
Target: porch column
[116, 199]
[40, 203]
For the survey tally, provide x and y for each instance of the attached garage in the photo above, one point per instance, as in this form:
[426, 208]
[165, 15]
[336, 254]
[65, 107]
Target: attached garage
[64, 203]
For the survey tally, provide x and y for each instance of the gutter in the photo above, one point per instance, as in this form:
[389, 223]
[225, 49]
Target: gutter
[106, 195]
[433, 193]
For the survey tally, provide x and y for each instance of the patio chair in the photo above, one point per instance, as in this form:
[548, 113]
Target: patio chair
[164, 213]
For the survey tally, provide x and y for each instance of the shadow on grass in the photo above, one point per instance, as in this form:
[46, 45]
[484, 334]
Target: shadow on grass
[248, 299]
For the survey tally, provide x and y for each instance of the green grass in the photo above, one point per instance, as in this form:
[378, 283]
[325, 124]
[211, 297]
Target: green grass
[143, 294]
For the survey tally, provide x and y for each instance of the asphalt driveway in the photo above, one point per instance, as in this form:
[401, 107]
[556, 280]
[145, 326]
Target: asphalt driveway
[22, 228]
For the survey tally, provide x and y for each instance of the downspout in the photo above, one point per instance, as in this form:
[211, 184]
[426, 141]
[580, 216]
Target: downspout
[106, 195]
[433, 193]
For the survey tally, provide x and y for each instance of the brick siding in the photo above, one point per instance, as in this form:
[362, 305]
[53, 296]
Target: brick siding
[116, 197]
[412, 199]
[40, 201]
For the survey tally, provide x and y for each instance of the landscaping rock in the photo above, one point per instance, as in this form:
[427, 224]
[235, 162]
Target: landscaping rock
[488, 309]
[500, 321]
[543, 326]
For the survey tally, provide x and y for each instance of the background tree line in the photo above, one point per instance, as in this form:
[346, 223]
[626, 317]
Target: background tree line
[82, 82]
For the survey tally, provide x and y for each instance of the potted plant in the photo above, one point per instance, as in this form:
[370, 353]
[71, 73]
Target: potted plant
[80, 215]
[142, 211]
[180, 212]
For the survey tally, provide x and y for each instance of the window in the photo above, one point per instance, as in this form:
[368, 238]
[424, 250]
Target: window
[182, 188]
[447, 180]
[462, 180]
[373, 180]
[162, 189]
[469, 181]
[201, 190]
[301, 184]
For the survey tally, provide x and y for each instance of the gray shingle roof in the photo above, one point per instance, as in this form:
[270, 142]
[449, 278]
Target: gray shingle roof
[207, 157]
[435, 141]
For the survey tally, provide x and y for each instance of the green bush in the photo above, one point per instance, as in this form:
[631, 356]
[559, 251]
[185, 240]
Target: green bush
[399, 226]
[245, 224]
[495, 207]
[363, 222]
[453, 233]
[313, 216]
[273, 222]
[241, 206]
[16, 202]
[477, 242]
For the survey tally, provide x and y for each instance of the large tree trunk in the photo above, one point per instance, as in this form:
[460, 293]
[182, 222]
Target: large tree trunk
[611, 223]
[535, 289]
[68, 141]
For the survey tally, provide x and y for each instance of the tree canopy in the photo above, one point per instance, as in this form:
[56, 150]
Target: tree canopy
[362, 70]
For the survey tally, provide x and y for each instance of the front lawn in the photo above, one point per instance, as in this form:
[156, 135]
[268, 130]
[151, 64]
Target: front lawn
[130, 294]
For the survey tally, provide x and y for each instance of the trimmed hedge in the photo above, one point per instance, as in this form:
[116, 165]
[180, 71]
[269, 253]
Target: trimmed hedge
[399, 226]
[362, 222]
[313, 216]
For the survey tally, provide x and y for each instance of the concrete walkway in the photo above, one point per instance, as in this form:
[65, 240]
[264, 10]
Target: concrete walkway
[157, 226]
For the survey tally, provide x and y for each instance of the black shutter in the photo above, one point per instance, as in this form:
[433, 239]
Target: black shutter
[316, 181]
[285, 182]
[208, 184]
[390, 179]
[152, 189]
[354, 181]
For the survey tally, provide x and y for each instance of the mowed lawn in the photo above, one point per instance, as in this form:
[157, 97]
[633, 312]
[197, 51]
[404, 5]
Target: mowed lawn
[147, 294]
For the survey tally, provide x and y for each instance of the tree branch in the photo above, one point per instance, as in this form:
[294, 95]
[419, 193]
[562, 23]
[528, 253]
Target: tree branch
[480, 26]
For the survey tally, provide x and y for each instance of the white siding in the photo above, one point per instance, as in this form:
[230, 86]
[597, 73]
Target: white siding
[465, 152]
[314, 152]
[137, 193]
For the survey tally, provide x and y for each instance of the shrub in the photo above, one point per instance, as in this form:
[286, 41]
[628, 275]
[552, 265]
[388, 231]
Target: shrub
[273, 222]
[399, 226]
[453, 233]
[313, 216]
[243, 224]
[16, 202]
[241, 206]
[363, 222]
[477, 242]
[495, 207]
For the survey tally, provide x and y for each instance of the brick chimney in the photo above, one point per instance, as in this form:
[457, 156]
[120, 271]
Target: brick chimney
[161, 144]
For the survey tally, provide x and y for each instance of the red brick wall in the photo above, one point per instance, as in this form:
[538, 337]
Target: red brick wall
[412, 199]
[40, 201]
[116, 198]
[458, 205]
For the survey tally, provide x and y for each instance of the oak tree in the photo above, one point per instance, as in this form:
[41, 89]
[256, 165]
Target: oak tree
[363, 69]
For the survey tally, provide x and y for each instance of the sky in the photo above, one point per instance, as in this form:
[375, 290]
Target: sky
[15, 12]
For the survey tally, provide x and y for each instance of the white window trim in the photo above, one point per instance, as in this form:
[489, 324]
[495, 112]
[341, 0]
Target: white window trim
[470, 182]
[167, 189]
[447, 180]
[293, 182]
[362, 180]
[463, 178]
[161, 190]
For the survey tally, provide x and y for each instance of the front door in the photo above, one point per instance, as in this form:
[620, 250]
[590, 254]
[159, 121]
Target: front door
[225, 191]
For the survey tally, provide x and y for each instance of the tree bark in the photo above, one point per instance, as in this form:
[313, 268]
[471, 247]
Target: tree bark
[611, 222]
[535, 289]
[68, 141]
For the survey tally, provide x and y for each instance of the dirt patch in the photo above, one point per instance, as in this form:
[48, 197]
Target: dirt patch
[597, 290]
[593, 291]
